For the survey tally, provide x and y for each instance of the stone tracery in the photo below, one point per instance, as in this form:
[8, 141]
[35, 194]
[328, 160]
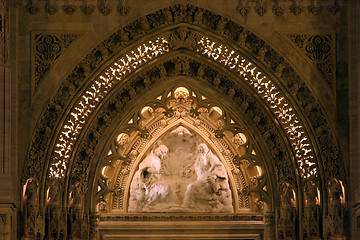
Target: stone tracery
[182, 66]
[155, 121]
[263, 85]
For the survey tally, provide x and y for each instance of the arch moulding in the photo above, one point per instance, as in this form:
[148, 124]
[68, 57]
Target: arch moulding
[299, 157]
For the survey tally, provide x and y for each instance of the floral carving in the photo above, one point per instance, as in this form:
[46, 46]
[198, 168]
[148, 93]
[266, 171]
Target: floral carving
[51, 9]
[278, 10]
[69, 9]
[319, 49]
[296, 10]
[277, 6]
[76, 72]
[87, 10]
[47, 49]
[243, 39]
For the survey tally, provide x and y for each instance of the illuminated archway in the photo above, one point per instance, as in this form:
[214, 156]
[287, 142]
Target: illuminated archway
[225, 63]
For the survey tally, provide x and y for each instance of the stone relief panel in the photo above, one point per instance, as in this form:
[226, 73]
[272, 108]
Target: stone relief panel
[47, 48]
[320, 50]
[183, 176]
[123, 177]
[260, 7]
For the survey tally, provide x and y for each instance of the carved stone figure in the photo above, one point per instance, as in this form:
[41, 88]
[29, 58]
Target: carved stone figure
[211, 190]
[286, 215]
[54, 194]
[147, 189]
[77, 195]
[334, 222]
[31, 193]
[189, 179]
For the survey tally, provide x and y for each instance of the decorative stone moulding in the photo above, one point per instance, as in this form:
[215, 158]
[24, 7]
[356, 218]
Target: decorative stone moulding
[79, 152]
[104, 7]
[260, 7]
[320, 51]
[46, 49]
[180, 119]
[186, 67]
[228, 57]
[241, 54]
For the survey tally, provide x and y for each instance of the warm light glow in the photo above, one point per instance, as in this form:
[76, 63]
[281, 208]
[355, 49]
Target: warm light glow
[217, 109]
[269, 92]
[258, 170]
[240, 139]
[145, 109]
[181, 92]
[218, 52]
[94, 94]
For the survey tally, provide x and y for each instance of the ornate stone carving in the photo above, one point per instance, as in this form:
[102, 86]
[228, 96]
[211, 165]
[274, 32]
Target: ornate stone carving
[320, 51]
[104, 7]
[79, 72]
[54, 194]
[211, 190]
[149, 189]
[286, 219]
[78, 215]
[334, 8]
[77, 195]
[87, 10]
[315, 9]
[31, 7]
[69, 9]
[34, 220]
[55, 222]
[178, 182]
[244, 6]
[290, 79]
[334, 222]
[296, 9]
[312, 218]
[260, 8]
[47, 49]
[51, 9]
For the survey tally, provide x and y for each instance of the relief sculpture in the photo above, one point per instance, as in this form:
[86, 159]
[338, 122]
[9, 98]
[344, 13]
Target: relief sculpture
[180, 175]
[147, 188]
[211, 191]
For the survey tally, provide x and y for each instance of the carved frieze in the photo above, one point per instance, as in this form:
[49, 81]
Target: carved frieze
[260, 7]
[47, 48]
[320, 50]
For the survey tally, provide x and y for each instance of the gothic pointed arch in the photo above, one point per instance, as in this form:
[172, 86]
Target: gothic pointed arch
[223, 65]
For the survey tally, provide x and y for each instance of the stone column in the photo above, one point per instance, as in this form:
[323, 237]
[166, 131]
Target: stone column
[269, 219]
[8, 144]
[354, 91]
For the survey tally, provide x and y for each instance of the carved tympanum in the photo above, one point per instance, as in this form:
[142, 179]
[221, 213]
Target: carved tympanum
[183, 176]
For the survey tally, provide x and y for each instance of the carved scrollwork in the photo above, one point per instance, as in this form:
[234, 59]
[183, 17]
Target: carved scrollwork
[312, 213]
[240, 37]
[33, 215]
[244, 6]
[320, 50]
[284, 73]
[121, 157]
[287, 215]
[47, 49]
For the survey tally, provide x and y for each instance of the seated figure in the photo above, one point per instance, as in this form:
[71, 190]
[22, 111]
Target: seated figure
[147, 190]
[211, 191]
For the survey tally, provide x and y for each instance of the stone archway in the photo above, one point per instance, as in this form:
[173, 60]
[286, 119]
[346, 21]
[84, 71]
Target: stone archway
[235, 63]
